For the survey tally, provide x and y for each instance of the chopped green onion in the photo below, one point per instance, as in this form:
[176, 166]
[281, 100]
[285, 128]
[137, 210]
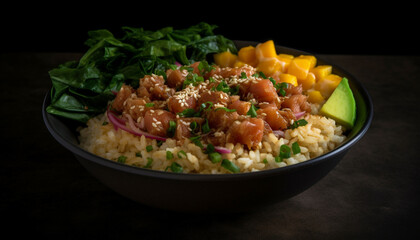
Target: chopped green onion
[121, 159]
[149, 162]
[188, 68]
[171, 128]
[210, 148]
[196, 141]
[176, 168]
[226, 109]
[138, 154]
[169, 155]
[243, 75]
[295, 148]
[230, 166]
[262, 75]
[104, 123]
[281, 88]
[180, 153]
[149, 148]
[284, 151]
[192, 78]
[215, 157]
[206, 108]
[298, 123]
[194, 127]
[189, 112]
[205, 128]
[272, 81]
[223, 87]
[150, 104]
[234, 90]
[278, 159]
[265, 161]
[252, 111]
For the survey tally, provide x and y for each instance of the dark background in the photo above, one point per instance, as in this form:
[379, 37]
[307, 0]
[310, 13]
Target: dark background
[372, 194]
[321, 28]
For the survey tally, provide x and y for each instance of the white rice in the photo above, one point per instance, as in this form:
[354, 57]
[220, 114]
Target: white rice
[318, 137]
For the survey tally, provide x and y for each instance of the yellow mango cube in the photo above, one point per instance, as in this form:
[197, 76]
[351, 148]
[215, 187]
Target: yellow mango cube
[308, 82]
[285, 59]
[288, 78]
[225, 59]
[266, 50]
[269, 66]
[321, 71]
[328, 84]
[299, 67]
[310, 58]
[315, 97]
[248, 56]
[284, 55]
[239, 64]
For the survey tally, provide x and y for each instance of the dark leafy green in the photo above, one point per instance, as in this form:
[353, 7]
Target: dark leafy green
[81, 89]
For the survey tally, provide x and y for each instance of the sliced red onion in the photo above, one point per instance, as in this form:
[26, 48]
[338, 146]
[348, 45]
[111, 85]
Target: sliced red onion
[178, 64]
[278, 133]
[117, 124]
[299, 114]
[120, 123]
[222, 150]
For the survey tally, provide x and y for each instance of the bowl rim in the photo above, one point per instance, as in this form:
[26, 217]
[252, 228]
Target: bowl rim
[77, 150]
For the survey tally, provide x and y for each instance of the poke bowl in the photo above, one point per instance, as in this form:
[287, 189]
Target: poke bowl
[199, 175]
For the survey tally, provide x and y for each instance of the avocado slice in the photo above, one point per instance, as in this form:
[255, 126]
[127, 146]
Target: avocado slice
[341, 105]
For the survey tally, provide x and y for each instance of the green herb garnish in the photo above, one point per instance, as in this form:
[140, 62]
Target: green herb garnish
[197, 141]
[243, 75]
[230, 166]
[261, 74]
[180, 153]
[252, 111]
[149, 148]
[169, 155]
[192, 78]
[204, 67]
[205, 128]
[223, 86]
[215, 157]
[189, 112]
[176, 168]
[138, 154]
[171, 128]
[150, 104]
[298, 123]
[284, 151]
[121, 159]
[226, 109]
[295, 148]
[281, 88]
[149, 162]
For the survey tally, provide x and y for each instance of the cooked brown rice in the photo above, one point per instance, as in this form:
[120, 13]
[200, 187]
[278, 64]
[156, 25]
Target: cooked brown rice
[318, 137]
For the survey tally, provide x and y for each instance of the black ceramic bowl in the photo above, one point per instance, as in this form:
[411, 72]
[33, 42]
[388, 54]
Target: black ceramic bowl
[214, 193]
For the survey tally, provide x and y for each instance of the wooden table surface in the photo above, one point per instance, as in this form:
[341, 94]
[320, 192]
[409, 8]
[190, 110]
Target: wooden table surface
[373, 193]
